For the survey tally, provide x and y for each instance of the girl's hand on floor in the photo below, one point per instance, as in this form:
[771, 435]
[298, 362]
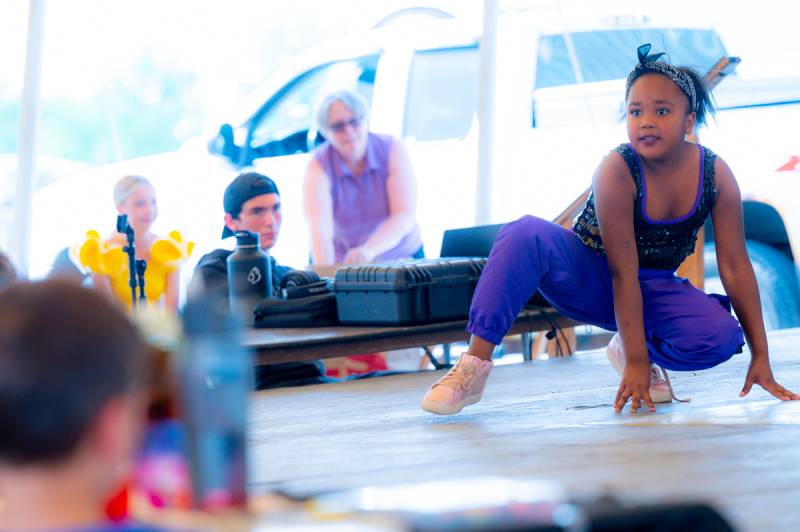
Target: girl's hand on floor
[760, 373]
[635, 385]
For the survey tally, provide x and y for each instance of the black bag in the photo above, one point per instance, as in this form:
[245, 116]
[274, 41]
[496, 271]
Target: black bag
[307, 301]
[311, 311]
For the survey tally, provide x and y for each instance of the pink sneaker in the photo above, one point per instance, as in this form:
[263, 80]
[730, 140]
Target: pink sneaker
[461, 386]
[660, 387]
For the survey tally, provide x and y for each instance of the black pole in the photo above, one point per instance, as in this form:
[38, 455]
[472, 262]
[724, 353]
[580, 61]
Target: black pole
[141, 266]
[124, 227]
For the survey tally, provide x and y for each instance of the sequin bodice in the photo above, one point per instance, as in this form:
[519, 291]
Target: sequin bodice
[661, 245]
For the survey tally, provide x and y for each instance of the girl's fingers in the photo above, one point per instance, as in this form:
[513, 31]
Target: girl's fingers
[780, 392]
[619, 404]
[638, 400]
[648, 401]
[787, 394]
[775, 389]
[622, 398]
[635, 403]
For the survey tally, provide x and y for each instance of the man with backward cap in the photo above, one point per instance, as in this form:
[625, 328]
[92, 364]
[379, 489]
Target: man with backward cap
[252, 203]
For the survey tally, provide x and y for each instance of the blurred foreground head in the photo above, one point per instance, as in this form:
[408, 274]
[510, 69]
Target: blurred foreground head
[71, 409]
[8, 274]
[71, 369]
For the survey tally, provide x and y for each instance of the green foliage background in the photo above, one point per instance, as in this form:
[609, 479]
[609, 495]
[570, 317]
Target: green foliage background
[136, 114]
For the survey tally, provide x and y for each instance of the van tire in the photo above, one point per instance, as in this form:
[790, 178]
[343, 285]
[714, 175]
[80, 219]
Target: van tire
[777, 278]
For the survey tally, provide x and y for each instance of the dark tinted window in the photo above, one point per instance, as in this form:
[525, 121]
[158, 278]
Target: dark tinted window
[442, 94]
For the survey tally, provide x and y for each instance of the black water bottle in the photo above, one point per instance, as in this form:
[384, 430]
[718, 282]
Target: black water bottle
[215, 381]
[249, 276]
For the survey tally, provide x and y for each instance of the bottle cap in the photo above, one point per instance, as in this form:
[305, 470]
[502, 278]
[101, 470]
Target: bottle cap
[247, 238]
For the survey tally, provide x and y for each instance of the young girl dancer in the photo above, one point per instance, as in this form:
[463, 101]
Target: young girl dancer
[616, 268]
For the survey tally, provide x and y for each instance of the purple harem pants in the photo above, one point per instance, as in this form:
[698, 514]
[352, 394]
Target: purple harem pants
[685, 328]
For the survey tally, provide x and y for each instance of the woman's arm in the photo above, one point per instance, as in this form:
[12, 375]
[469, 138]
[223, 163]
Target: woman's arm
[401, 187]
[739, 281]
[615, 194]
[171, 290]
[318, 207]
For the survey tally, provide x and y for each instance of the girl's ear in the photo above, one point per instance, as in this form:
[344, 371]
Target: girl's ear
[691, 120]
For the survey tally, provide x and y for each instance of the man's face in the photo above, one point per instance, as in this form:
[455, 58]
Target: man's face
[261, 215]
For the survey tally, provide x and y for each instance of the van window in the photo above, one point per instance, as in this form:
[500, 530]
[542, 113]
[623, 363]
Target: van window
[610, 54]
[284, 122]
[606, 55]
[553, 67]
[442, 93]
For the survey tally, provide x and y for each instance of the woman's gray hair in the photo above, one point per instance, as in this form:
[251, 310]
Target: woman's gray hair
[127, 185]
[352, 100]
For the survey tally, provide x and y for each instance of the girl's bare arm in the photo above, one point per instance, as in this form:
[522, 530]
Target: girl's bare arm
[739, 281]
[615, 193]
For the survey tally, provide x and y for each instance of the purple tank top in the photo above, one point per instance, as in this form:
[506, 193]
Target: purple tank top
[361, 203]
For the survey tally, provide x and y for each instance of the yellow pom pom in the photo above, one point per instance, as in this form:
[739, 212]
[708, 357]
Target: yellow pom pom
[100, 256]
[90, 251]
[171, 250]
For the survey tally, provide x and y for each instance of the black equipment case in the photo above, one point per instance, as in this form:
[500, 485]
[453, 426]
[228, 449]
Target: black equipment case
[406, 292]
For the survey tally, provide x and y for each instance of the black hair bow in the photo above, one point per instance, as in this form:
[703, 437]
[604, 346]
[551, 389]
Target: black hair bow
[643, 52]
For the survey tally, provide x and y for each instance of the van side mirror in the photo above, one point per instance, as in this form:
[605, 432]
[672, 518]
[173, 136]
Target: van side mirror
[223, 144]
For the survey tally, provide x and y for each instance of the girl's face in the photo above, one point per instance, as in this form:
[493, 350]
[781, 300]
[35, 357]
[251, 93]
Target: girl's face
[347, 132]
[657, 116]
[141, 208]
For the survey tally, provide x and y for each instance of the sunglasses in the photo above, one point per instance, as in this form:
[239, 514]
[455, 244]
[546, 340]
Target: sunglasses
[338, 127]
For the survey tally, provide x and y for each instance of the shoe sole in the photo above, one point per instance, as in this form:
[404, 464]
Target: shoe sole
[657, 397]
[443, 409]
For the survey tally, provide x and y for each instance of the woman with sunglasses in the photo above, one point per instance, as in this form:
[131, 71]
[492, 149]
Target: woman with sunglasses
[359, 190]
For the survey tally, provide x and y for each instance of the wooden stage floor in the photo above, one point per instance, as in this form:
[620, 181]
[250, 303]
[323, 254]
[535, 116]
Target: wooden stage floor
[549, 419]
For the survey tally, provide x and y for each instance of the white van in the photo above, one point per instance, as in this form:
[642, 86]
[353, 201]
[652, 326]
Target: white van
[559, 109]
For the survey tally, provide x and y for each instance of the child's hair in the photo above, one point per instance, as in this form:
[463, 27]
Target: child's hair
[686, 78]
[127, 185]
[65, 351]
[8, 274]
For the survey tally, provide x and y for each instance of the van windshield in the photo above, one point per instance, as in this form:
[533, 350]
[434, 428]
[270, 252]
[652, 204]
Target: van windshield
[610, 54]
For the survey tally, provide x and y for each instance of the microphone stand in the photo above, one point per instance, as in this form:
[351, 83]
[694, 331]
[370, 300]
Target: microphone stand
[124, 227]
[141, 266]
